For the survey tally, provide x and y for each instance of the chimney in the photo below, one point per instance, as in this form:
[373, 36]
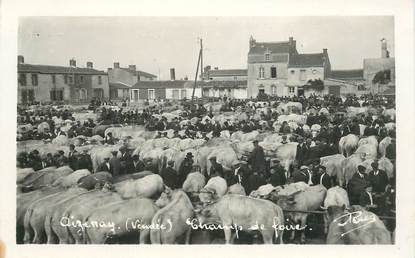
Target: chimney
[252, 42]
[325, 51]
[292, 44]
[172, 74]
[72, 63]
[384, 49]
[116, 65]
[20, 59]
[89, 65]
[216, 68]
[132, 67]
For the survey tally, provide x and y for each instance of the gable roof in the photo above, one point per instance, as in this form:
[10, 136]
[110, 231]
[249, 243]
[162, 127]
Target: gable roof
[306, 60]
[160, 84]
[119, 85]
[273, 47]
[352, 74]
[141, 73]
[52, 69]
[228, 72]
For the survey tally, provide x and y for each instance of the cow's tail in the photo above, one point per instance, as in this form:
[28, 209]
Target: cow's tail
[27, 227]
[155, 234]
[278, 211]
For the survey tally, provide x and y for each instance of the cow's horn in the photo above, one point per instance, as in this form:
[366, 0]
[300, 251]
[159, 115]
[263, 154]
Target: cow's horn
[323, 208]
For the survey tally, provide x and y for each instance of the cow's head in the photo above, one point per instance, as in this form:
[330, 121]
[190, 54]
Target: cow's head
[206, 213]
[207, 195]
[165, 197]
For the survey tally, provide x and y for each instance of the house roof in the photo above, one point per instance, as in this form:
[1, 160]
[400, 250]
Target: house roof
[307, 60]
[352, 74]
[160, 84]
[390, 91]
[273, 47]
[141, 73]
[51, 69]
[119, 85]
[222, 84]
[181, 84]
[228, 72]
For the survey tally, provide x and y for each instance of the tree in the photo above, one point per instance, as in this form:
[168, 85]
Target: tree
[316, 84]
[382, 77]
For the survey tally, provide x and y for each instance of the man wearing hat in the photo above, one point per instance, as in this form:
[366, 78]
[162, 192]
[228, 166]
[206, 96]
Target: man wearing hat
[85, 161]
[367, 199]
[357, 185]
[278, 176]
[257, 158]
[125, 159]
[105, 166]
[72, 160]
[302, 150]
[378, 178]
[109, 139]
[115, 164]
[323, 178]
[303, 175]
[185, 168]
[137, 165]
[216, 169]
[169, 175]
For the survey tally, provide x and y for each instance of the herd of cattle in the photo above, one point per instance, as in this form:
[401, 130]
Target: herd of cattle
[58, 205]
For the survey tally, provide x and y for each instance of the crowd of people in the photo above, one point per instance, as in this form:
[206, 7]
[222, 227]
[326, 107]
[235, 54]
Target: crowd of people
[255, 169]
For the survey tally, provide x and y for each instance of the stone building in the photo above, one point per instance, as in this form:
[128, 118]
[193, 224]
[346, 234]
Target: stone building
[268, 66]
[381, 67]
[67, 84]
[122, 79]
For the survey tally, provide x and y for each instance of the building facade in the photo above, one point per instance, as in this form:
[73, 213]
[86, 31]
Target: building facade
[67, 84]
[122, 79]
[225, 74]
[267, 66]
[156, 90]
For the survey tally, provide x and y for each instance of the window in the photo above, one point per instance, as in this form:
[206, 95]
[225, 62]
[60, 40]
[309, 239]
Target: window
[261, 73]
[113, 93]
[273, 90]
[302, 75]
[292, 71]
[56, 95]
[53, 78]
[65, 79]
[34, 80]
[22, 79]
[151, 94]
[70, 79]
[273, 72]
[267, 57]
[99, 80]
[291, 89]
[138, 77]
[81, 78]
[31, 95]
[184, 94]
[176, 94]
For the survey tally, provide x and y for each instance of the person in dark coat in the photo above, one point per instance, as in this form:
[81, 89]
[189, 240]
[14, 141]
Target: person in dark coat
[72, 159]
[367, 200]
[255, 180]
[301, 153]
[323, 178]
[357, 185]
[378, 178]
[257, 158]
[60, 159]
[85, 161]
[115, 164]
[391, 150]
[185, 168]
[125, 159]
[105, 166]
[136, 165]
[169, 175]
[277, 171]
[303, 175]
[216, 169]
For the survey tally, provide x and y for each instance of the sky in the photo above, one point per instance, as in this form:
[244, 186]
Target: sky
[156, 44]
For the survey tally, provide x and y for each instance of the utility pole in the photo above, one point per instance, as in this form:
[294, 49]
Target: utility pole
[199, 63]
[201, 66]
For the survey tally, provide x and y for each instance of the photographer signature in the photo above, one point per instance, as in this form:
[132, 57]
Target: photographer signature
[356, 217]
